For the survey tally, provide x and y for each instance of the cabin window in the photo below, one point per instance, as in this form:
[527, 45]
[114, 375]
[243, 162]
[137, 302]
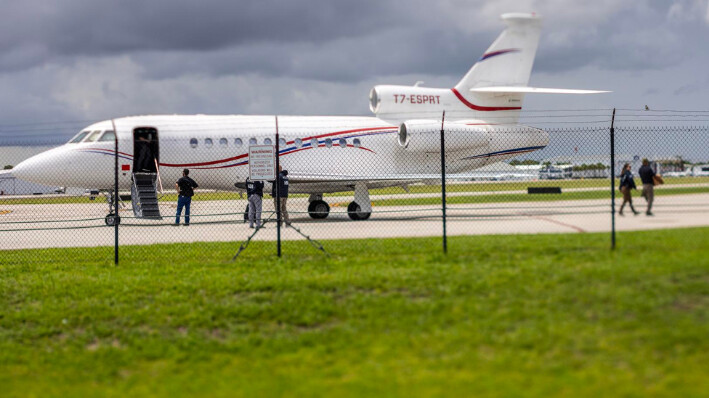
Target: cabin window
[93, 136]
[223, 142]
[298, 143]
[108, 136]
[356, 143]
[282, 143]
[79, 137]
[267, 141]
[314, 143]
[343, 143]
[208, 142]
[238, 142]
[193, 143]
[328, 142]
[252, 141]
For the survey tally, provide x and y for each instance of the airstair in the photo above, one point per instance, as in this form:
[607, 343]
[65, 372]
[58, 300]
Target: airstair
[144, 196]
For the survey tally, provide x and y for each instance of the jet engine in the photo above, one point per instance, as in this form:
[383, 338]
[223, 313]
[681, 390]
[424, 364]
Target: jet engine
[425, 136]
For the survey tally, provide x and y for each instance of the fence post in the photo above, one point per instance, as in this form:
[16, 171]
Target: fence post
[443, 183]
[278, 190]
[613, 181]
[115, 195]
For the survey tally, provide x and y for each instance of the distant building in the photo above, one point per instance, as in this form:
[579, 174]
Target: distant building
[9, 185]
[596, 166]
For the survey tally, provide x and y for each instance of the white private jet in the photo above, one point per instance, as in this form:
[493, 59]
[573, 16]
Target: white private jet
[322, 154]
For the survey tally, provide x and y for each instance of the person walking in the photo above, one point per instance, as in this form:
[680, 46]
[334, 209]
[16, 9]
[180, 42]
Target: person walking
[185, 189]
[254, 194]
[627, 183]
[282, 185]
[647, 176]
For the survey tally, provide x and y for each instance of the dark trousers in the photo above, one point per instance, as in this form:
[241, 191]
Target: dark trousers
[649, 195]
[183, 201]
[627, 198]
[284, 210]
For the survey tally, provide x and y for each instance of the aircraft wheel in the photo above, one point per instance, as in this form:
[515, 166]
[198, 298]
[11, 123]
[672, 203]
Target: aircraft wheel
[318, 209]
[355, 212]
[112, 219]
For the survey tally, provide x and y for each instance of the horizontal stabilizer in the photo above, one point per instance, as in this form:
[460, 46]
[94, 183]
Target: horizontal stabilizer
[534, 90]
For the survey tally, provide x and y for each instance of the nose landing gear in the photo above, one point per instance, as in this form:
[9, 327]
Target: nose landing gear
[112, 219]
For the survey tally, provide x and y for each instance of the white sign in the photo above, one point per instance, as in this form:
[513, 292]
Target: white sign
[262, 162]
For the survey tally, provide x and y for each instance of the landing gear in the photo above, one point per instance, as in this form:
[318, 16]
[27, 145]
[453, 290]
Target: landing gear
[361, 207]
[355, 212]
[318, 209]
[112, 218]
[246, 214]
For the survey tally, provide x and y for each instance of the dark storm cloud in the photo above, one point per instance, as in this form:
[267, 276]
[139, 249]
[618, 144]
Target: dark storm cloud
[33, 31]
[328, 40]
[418, 52]
[632, 39]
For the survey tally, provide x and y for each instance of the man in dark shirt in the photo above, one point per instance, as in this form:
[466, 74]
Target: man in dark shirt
[646, 176]
[283, 188]
[254, 193]
[185, 188]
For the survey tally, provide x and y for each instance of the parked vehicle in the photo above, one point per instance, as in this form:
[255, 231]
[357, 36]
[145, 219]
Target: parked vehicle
[700, 170]
[555, 172]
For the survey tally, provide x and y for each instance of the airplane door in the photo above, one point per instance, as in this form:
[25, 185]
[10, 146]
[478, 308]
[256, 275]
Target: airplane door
[146, 150]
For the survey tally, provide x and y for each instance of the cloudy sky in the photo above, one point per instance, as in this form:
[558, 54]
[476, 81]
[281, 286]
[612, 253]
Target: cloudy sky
[65, 64]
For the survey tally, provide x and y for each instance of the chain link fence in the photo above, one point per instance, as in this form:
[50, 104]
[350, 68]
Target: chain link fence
[349, 179]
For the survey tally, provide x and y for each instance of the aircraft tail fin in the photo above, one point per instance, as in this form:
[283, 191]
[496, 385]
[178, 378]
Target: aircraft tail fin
[508, 61]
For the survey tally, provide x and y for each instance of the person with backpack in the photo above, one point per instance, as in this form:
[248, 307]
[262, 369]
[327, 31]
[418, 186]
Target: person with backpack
[649, 179]
[627, 183]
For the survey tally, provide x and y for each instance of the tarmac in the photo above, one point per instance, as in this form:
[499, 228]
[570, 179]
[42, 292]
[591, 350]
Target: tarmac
[82, 225]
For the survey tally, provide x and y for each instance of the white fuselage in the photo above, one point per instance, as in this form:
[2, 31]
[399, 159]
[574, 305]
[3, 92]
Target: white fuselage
[329, 150]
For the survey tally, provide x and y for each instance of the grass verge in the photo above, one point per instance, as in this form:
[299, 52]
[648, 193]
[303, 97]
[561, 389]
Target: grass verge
[539, 315]
[523, 197]
[414, 189]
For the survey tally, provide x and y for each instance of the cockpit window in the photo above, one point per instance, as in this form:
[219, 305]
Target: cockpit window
[79, 137]
[108, 136]
[93, 136]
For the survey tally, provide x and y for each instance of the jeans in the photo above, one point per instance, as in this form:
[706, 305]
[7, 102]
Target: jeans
[183, 201]
[255, 205]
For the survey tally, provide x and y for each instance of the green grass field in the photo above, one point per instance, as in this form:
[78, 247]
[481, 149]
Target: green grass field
[523, 197]
[502, 186]
[538, 315]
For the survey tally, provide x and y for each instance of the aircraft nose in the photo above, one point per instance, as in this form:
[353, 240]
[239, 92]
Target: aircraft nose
[41, 169]
[26, 170]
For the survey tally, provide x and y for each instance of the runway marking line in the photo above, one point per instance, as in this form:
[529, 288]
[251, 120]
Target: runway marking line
[5, 212]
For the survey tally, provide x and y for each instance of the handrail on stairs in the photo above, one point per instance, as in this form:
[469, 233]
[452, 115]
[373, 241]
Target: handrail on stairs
[157, 169]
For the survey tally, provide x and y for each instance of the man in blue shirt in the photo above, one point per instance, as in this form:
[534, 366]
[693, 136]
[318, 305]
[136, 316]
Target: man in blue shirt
[646, 175]
[185, 188]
